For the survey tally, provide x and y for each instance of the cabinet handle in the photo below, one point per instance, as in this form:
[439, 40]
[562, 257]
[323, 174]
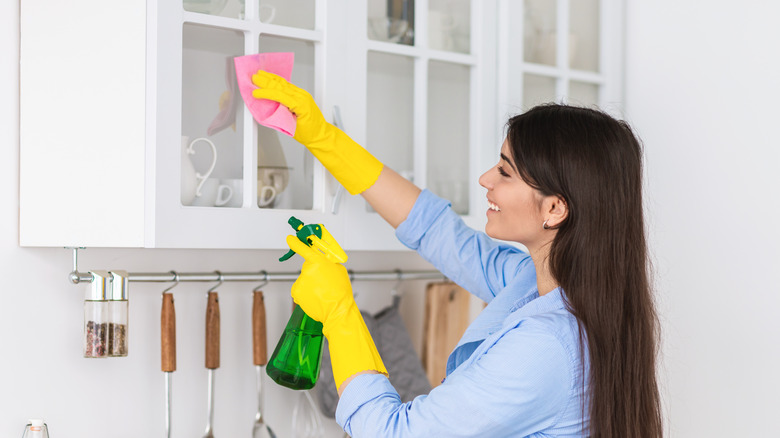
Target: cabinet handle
[334, 207]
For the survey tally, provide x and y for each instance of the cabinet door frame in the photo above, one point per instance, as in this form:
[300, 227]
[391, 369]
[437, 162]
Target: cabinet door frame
[370, 230]
[171, 225]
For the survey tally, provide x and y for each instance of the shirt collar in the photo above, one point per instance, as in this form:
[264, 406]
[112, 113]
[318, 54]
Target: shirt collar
[534, 304]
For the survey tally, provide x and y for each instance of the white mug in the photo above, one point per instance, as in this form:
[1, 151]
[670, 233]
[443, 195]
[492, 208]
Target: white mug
[265, 195]
[271, 182]
[213, 194]
[235, 198]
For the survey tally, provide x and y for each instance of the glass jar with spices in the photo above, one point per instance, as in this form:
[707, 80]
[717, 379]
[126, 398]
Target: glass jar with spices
[96, 316]
[117, 314]
[36, 428]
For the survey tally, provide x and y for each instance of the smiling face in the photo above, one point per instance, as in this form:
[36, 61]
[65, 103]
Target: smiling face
[516, 211]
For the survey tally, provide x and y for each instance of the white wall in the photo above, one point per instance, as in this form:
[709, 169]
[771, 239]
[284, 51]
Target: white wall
[702, 88]
[42, 372]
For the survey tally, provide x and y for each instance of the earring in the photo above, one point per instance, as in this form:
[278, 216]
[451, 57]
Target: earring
[544, 225]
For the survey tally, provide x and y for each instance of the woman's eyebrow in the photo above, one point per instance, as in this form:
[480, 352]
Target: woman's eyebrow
[503, 157]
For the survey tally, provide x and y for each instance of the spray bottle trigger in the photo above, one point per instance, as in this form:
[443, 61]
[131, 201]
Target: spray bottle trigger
[287, 256]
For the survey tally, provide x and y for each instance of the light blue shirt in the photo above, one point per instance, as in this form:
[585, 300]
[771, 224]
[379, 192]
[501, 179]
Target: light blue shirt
[517, 371]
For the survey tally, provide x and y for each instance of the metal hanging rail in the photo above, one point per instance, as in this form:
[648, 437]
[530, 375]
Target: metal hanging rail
[77, 277]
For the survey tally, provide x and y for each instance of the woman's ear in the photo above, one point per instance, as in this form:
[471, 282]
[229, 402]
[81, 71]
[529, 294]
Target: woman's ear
[556, 211]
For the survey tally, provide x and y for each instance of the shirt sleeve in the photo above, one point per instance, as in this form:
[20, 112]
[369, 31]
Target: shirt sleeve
[468, 257]
[519, 386]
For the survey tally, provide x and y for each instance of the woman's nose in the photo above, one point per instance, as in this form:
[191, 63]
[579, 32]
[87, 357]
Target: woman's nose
[485, 181]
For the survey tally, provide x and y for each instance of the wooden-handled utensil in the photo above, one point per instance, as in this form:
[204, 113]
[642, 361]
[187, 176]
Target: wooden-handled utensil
[260, 359]
[212, 331]
[212, 354]
[168, 352]
[259, 340]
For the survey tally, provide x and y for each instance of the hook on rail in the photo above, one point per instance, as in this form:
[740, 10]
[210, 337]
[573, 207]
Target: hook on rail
[265, 281]
[219, 282]
[398, 281]
[175, 282]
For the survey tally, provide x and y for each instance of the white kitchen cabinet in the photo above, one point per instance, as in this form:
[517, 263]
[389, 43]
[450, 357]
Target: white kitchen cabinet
[110, 91]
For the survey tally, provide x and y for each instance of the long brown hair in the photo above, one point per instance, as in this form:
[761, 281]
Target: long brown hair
[599, 256]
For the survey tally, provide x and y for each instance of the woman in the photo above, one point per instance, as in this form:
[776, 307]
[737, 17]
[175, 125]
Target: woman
[567, 344]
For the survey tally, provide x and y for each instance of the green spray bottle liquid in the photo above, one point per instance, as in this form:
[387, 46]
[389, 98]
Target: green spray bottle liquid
[297, 357]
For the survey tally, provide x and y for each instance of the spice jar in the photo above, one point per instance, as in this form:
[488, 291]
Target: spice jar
[96, 316]
[36, 429]
[117, 314]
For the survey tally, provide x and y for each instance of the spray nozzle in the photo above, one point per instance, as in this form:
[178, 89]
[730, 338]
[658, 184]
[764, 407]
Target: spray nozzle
[316, 236]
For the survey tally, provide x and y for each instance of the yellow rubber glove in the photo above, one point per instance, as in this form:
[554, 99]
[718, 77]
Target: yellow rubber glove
[351, 164]
[324, 292]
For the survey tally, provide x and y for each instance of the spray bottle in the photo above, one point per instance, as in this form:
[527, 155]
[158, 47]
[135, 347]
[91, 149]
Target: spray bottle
[296, 360]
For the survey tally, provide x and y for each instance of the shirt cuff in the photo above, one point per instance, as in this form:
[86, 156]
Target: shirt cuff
[361, 390]
[426, 210]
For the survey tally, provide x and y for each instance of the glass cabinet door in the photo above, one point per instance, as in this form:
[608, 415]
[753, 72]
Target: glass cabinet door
[562, 51]
[390, 114]
[584, 35]
[419, 93]
[212, 146]
[540, 31]
[537, 89]
[449, 25]
[285, 167]
[391, 21]
[583, 93]
[448, 133]
[291, 13]
[219, 150]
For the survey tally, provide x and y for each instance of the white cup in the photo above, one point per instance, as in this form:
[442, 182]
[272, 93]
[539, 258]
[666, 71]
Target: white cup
[265, 195]
[213, 194]
[233, 198]
[271, 182]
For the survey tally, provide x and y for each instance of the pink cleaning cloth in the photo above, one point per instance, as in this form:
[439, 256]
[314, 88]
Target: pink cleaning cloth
[266, 112]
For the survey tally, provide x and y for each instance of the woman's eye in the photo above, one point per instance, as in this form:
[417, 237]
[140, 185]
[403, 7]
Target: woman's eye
[502, 172]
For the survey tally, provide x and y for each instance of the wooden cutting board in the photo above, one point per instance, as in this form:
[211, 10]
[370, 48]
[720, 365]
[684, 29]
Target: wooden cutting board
[446, 318]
